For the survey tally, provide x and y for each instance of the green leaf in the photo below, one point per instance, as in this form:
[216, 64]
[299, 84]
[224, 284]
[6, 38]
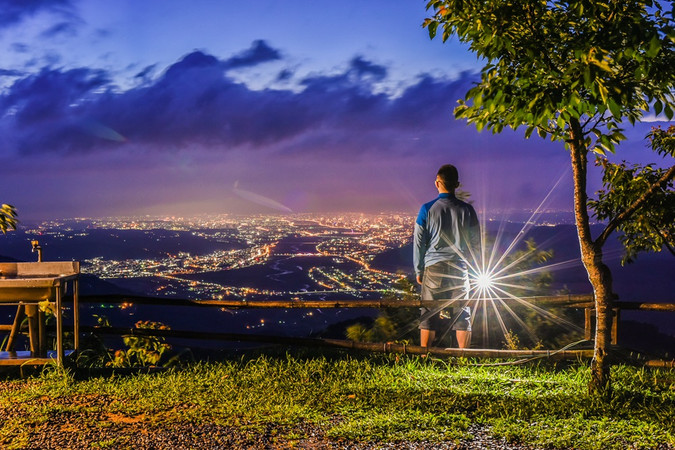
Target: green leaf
[654, 47]
[668, 111]
[618, 136]
[614, 108]
[431, 26]
[560, 121]
[602, 90]
[587, 76]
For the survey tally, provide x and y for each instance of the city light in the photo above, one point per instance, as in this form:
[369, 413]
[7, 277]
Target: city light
[333, 255]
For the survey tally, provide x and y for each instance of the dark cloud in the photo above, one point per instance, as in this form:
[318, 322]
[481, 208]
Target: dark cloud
[284, 75]
[13, 11]
[193, 64]
[39, 111]
[363, 67]
[195, 103]
[430, 100]
[260, 52]
[10, 73]
[50, 94]
[146, 73]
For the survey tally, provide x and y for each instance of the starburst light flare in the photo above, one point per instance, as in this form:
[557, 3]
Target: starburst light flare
[496, 280]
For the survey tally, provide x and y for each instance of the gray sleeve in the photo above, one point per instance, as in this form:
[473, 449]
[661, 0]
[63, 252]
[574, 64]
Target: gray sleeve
[419, 248]
[474, 232]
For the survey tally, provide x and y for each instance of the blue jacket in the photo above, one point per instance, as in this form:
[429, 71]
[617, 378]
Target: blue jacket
[444, 230]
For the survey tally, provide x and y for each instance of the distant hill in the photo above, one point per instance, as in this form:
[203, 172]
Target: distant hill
[93, 285]
[114, 244]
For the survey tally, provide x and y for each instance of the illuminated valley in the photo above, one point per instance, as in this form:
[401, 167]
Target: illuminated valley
[303, 255]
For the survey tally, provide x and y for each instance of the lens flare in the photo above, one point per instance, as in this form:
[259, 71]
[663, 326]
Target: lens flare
[483, 281]
[499, 275]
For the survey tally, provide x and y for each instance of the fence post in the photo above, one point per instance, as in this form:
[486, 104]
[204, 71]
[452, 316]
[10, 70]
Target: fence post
[588, 323]
[615, 326]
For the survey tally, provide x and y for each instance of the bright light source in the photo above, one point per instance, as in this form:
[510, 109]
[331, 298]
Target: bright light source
[484, 281]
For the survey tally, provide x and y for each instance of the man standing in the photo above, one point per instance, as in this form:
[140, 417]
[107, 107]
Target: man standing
[447, 234]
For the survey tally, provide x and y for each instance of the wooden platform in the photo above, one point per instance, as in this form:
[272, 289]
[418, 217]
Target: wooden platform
[22, 358]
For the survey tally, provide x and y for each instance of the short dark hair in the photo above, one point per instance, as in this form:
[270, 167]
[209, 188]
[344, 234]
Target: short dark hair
[449, 176]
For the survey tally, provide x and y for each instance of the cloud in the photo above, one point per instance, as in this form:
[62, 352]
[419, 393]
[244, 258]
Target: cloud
[194, 104]
[13, 12]
[20, 47]
[60, 29]
[260, 52]
[284, 75]
[10, 73]
[146, 73]
[363, 67]
[39, 113]
[51, 94]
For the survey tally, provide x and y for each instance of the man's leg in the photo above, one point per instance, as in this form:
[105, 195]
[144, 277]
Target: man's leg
[463, 338]
[427, 337]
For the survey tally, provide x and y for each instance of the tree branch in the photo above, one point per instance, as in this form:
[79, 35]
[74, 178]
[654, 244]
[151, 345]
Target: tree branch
[665, 240]
[615, 222]
[583, 126]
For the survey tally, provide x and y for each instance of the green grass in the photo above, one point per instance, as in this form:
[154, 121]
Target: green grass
[360, 398]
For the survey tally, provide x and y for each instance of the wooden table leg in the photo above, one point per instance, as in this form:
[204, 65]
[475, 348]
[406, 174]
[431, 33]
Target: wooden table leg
[33, 328]
[76, 316]
[43, 333]
[59, 326]
[20, 313]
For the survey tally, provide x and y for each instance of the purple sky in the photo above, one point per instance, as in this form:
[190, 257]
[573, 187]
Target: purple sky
[159, 107]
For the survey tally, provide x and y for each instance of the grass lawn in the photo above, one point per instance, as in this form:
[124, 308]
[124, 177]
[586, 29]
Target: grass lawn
[338, 397]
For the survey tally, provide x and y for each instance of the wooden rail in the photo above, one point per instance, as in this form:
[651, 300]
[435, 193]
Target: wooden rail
[566, 301]
[579, 301]
[387, 347]
[645, 306]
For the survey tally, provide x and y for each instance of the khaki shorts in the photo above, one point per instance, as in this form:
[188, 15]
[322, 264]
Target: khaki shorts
[445, 283]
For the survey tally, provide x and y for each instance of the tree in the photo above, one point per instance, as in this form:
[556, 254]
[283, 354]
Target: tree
[652, 226]
[572, 71]
[7, 218]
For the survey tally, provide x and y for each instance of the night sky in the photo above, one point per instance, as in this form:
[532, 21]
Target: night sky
[162, 107]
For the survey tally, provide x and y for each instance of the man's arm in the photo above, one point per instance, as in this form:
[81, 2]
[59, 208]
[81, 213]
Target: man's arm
[474, 233]
[420, 243]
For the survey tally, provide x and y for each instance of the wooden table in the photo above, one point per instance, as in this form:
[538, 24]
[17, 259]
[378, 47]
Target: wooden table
[29, 284]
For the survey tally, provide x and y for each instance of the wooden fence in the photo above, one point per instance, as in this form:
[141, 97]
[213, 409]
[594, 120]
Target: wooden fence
[566, 301]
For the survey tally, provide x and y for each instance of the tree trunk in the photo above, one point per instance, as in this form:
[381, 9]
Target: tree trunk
[598, 273]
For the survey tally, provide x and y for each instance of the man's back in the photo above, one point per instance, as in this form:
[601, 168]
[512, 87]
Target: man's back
[444, 230]
[446, 234]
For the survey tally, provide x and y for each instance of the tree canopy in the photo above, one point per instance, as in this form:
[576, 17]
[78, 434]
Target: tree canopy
[652, 226]
[8, 218]
[550, 62]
